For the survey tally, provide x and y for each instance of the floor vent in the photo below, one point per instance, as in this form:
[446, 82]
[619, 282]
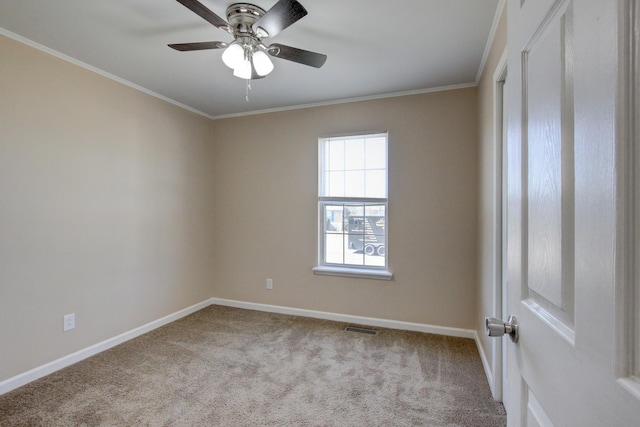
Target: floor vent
[361, 330]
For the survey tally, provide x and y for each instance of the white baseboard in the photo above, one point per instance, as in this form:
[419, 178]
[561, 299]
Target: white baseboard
[48, 368]
[346, 318]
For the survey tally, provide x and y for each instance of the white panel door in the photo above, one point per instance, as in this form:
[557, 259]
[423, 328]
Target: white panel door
[567, 218]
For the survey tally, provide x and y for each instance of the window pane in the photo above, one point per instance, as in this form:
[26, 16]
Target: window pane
[333, 215]
[376, 154]
[354, 257]
[355, 227]
[354, 154]
[353, 167]
[354, 184]
[375, 221]
[323, 166]
[334, 248]
[376, 184]
[355, 233]
[336, 184]
[375, 210]
[336, 154]
[374, 260]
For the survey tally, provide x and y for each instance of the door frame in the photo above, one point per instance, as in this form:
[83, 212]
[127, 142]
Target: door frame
[499, 308]
[628, 286]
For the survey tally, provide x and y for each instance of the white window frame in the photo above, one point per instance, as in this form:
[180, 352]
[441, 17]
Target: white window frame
[349, 270]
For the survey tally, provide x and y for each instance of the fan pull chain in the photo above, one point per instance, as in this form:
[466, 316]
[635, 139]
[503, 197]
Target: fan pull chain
[248, 90]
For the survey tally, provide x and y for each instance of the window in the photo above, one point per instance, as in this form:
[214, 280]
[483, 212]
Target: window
[352, 199]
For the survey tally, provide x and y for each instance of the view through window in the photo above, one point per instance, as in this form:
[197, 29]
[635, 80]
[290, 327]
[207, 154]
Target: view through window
[353, 201]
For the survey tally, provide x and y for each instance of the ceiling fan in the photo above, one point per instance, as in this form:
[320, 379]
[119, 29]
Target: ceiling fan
[249, 24]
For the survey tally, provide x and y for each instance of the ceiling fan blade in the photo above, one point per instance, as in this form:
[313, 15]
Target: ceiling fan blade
[280, 16]
[198, 8]
[297, 55]
[184, 47]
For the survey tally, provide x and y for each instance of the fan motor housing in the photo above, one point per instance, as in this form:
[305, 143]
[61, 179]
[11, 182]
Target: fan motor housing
[242, 16]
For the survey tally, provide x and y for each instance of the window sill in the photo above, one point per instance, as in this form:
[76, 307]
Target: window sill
[353, 272]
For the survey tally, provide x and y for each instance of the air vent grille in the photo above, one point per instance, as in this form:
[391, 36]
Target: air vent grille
[361, 330]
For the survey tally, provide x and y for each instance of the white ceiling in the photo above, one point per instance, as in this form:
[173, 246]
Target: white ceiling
[374, 48]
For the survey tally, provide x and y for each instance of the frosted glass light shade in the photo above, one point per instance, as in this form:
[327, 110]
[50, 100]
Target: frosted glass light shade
[233, 56]
[262, 63]
[243, 70]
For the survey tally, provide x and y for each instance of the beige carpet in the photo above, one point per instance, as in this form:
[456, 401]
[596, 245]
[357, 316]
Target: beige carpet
[230, 367]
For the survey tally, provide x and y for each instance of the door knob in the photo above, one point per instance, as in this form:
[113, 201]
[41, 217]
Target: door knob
[497, 328]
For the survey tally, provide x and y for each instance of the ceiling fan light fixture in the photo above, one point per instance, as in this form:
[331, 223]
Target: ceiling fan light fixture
[243, 70]
[262, 63]
[233, 56]
[247, 55]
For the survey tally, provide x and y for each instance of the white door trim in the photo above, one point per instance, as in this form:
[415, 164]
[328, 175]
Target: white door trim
[628, 234]
[499, 225]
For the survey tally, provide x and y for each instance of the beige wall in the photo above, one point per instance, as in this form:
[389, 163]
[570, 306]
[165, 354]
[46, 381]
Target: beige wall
[488, 201]
[265, 169]
[106, 208]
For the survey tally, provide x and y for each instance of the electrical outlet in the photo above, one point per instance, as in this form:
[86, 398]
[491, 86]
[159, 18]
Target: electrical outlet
[69, 322]
[269, 283]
